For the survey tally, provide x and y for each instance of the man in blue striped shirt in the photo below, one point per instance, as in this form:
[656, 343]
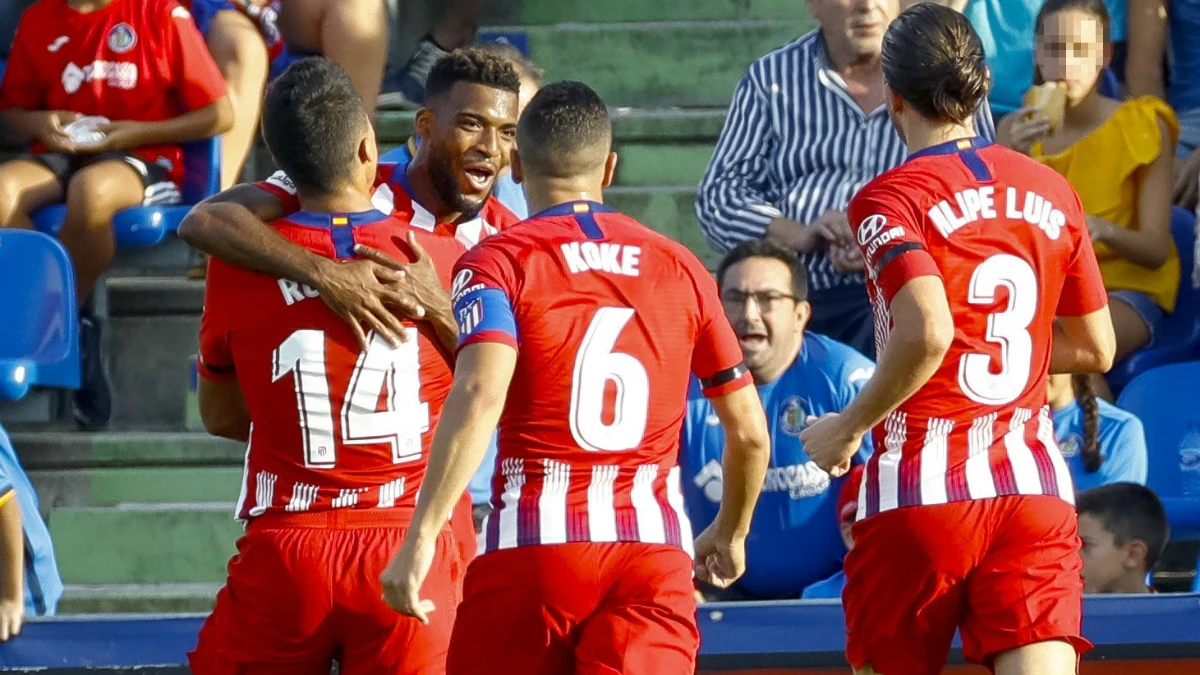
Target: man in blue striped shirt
[806, 129]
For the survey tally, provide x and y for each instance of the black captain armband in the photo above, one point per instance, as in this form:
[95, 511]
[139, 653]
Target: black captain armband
[895, 253]
[723, 377]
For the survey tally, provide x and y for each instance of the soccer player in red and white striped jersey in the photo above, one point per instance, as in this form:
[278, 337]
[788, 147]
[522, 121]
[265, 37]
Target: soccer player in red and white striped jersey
[590, 325]
[983, 279]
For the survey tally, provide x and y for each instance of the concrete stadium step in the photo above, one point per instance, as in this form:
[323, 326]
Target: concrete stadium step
[69, 450]
[138, 598]
[144, 543]
[95, 486]
[670, 211]
[662, 63]
[590, 11]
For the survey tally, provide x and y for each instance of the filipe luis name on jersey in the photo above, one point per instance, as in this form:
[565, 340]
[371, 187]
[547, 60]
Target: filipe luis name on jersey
[973, 204]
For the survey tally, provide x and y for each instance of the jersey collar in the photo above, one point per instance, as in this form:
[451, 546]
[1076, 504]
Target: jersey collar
[952, 147]
[331, 220]
[571, 208]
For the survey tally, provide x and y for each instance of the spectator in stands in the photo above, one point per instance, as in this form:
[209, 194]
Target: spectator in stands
[1124, 531]
[847, 513]
[794, 539]
[142, 65]
[506, 189]
[1006, 28]
[251, 39]
[1101, 443]
[1163, 32]
[1119, 156]
[806, 129]
[29, 581]
[456, 28]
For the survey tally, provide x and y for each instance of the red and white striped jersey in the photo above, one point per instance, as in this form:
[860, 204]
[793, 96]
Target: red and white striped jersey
[393, 195]
[609, 320]
[332, 426]
[1008, 237]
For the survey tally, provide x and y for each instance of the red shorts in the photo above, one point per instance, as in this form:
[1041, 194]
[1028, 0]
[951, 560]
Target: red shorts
[579, 608]
[1004, 571]
[304, 589]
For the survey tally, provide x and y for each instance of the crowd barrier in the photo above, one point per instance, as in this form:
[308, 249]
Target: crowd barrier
[1134, 635]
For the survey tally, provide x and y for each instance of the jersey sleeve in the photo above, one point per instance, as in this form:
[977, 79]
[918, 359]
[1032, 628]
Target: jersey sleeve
[890, 235]
[197, 78]
[216, 354]
[281, 185]
[483, 299]
[22, 86]
[1083, 289]
[716, 358]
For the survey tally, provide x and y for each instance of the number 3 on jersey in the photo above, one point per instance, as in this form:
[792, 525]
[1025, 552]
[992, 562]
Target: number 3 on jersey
[596, 365]
[1008, 328]
[303, 355]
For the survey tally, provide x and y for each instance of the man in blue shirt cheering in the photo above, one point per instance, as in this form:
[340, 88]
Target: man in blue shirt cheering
[794, 540]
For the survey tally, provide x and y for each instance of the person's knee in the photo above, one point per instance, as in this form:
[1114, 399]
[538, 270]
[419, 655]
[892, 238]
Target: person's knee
[24, 187]
[97, 192]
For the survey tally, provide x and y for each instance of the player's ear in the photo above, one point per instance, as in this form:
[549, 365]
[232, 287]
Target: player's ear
[610, 169]
[423, 124]
[368, 151]
[515, 163]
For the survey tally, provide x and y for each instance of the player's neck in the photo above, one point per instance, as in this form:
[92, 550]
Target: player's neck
[542, 197]
[85, 6]
[924, 135]
[347, 200]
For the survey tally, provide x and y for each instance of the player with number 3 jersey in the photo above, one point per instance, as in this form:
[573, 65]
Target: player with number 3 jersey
[338, 436]
[590, 325]
[983, 279]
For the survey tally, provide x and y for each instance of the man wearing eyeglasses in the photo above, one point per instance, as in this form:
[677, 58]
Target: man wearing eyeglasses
[794, 539]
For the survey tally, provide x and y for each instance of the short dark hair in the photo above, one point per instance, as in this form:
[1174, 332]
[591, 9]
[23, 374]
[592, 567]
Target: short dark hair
[934, 60]
[1095, 8]
[525, 67]
[1129, 511]
[761, 248]
[311, 121]
[564, 132]
[472, 65]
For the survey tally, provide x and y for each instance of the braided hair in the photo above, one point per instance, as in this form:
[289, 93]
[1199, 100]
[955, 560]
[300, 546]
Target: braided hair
[1085, 395]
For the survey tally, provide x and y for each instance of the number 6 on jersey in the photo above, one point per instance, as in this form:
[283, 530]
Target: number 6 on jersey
[596, 365]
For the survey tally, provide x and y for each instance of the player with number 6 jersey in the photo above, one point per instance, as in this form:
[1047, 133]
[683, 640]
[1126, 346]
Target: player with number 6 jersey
[584, 326]
[338, 436]
[983, 280]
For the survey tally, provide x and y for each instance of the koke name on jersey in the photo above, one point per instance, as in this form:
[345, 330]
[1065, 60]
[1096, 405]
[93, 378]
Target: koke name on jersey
[976, 203]
[603, 257]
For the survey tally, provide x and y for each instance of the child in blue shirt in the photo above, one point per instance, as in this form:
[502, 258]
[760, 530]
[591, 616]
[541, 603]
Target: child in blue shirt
[1101, 443]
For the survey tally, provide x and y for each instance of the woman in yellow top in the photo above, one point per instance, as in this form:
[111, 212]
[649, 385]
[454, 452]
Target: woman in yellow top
[1118, 155]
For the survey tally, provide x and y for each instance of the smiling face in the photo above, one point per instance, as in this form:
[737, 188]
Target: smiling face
[469, 133]
[1071, 49]
[769, 322]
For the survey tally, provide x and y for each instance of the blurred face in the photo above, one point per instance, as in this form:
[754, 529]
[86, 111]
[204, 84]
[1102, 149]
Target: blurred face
[1105, 565]
[768, 320]
[856, 26]
[847, 538]
[1071, 49]
[468, 134]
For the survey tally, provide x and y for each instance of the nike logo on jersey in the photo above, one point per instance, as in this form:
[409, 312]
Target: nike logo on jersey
[58, 43]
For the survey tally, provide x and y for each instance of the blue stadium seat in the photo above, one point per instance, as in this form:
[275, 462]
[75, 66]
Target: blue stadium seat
[1109, 85]
[1179, 337]
[144, 226]
[1167, 399]
[39, 341]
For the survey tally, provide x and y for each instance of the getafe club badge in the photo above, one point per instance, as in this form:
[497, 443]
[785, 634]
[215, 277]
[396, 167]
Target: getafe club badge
[121, 38]
[792, 416]
[1069, 446]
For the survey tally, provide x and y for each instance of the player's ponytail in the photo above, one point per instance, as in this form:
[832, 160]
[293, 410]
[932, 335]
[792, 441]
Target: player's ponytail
[934, 60]
[1086, 397]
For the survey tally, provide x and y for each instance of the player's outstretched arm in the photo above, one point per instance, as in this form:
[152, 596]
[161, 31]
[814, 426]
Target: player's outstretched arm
[232, 226]
[922, 331]
[1083, 344]
[721, 548]
[223, 409]
[481, 378]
